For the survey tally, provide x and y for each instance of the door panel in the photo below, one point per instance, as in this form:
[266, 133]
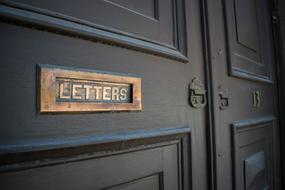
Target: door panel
[246, 132]
[129, 24]
[166, 52]
[249, 45]
[143, 166]
[253, 149]
[137, 18]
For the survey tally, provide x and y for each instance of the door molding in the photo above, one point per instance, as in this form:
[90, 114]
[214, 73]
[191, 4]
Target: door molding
[54, 151]
[252, 140]
[163, 157]
[60, 23]
[210, 121]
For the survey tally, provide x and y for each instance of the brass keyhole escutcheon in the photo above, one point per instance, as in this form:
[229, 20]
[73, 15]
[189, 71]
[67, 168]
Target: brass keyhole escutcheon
[197, 93]
[224, 98]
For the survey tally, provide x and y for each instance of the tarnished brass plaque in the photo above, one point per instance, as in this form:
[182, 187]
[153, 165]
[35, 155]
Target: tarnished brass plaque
[80, 90]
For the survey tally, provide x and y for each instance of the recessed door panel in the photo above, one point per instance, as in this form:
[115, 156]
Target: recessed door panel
[247, 24]
[143, 20]
[252, 146]
[114, 14]
[144, 166]
[249, 39]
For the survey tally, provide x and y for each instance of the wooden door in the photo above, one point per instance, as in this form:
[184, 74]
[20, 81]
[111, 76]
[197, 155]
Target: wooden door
[160, 41]
[244, 94]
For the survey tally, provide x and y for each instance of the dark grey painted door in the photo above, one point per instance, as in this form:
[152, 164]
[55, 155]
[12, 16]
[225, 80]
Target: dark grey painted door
[244, 94]
[159, 40]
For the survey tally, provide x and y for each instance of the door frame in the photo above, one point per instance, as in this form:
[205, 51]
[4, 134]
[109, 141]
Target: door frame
[279, 39]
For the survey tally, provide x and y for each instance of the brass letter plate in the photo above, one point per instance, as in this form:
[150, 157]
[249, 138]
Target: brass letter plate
[80, 90]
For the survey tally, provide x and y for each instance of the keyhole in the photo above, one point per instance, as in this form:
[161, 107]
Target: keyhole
[256, 98]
